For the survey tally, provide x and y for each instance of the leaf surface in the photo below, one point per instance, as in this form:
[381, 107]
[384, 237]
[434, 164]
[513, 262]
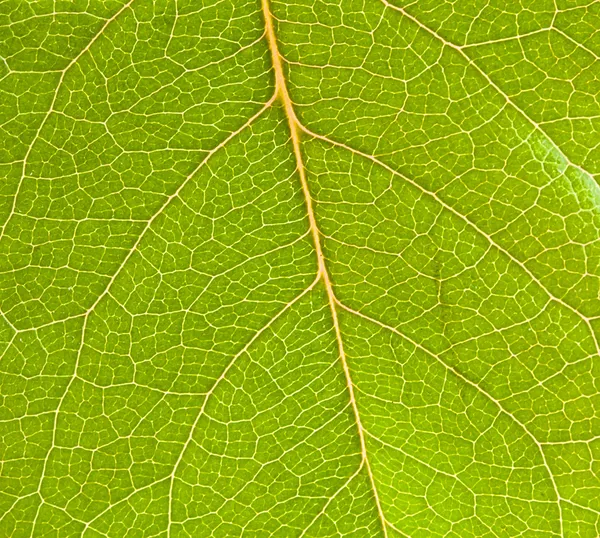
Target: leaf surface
[302, 268]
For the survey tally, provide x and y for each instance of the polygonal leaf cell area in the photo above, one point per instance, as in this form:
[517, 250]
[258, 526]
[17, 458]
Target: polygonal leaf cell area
[299, 268]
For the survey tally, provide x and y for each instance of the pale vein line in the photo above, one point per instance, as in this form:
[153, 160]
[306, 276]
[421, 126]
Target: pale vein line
[450, 475]
[282, 94]
[7, 321]
[576, 43]
[422, 462]
[218, 382]
[121, 501]
[469, 222]
[582, 506]
[504, 39]
[573, 441]
[171, 476]
[173, 196]
[133, 249]
[63, 73]
[500, 248]
[332, 498]
[473, 64]
[466, 380]
[396, 529]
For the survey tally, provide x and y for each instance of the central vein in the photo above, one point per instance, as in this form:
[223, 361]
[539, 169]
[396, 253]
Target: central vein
[283, 95]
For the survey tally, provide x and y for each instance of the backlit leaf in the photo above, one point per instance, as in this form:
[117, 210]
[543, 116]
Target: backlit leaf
[305, 268]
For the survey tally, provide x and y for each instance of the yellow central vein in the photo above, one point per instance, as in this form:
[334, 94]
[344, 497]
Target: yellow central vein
[282, 94]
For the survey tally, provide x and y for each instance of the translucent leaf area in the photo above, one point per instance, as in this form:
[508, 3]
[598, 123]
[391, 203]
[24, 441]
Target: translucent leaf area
[299, 268]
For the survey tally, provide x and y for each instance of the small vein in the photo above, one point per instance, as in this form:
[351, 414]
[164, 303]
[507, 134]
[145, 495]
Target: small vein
[217, 383]
[63, 73]
[476, 387]
[86, 314]
[576, 43]
[332, 498]
[448, 207]
[473, 64]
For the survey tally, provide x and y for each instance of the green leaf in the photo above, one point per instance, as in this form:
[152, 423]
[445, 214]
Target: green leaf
[312, 268]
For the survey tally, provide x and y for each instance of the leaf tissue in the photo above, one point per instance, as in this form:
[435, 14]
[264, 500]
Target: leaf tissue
[299, 268]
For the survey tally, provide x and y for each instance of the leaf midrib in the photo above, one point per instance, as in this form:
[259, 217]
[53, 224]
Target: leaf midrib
[282, 95]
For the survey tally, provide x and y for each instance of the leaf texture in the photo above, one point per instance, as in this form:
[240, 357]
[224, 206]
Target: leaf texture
[304, 268]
